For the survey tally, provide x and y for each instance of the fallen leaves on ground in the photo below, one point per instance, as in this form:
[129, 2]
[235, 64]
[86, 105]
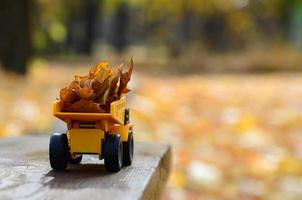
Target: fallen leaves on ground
[233, 136]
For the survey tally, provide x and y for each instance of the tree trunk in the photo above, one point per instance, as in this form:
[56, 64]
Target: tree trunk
[15, 48]
[81, 27]
[119, 27]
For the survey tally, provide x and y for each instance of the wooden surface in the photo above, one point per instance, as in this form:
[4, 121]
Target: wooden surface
[25, 173]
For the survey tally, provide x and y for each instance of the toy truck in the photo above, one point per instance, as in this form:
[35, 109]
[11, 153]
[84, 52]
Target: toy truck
[108, 135]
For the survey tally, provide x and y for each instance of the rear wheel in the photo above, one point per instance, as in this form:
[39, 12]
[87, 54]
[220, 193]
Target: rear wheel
[113, 153]
[128, 148]
[58, 151]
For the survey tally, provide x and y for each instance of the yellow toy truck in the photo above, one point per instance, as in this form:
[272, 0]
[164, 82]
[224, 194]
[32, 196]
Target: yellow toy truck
[109, 135]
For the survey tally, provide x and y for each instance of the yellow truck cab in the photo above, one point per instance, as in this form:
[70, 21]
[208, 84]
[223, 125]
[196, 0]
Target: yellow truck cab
[109, 135]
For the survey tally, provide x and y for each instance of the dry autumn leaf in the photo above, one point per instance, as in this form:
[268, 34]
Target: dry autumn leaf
[100, 90]
[102, 73]
[96, 69]
[85, 106]
[67, 96]
[85, 93]
[124, 79]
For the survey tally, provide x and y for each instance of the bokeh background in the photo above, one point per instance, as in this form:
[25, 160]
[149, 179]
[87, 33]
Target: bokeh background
[219, 80]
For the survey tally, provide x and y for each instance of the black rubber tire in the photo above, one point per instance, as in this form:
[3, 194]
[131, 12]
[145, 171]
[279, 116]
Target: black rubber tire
[76, 160]
[58, 151]
[113, 153]
[128, 149]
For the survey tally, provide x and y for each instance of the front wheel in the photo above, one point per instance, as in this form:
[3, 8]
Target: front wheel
[128, 148]
[58, 151]
[113, 153]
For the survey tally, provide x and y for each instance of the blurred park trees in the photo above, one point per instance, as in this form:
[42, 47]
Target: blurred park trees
[15, 34]
[52, 27]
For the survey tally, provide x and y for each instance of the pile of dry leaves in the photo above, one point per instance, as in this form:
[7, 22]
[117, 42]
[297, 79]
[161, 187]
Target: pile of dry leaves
[94, 92]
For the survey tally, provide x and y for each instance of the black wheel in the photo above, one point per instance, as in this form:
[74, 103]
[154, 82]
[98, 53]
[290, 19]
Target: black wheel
[58, 151]
[113, 153]
[128, 148]
[76, 160]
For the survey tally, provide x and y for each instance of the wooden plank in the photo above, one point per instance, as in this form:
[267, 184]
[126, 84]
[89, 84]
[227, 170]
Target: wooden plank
[25, 173]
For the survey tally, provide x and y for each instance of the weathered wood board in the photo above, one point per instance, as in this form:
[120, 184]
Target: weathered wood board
[25, 173]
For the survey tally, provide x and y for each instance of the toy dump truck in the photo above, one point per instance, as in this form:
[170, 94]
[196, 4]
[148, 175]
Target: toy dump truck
[108, 135]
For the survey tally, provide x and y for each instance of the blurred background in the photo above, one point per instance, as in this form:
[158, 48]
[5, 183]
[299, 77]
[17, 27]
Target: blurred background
[219, 80]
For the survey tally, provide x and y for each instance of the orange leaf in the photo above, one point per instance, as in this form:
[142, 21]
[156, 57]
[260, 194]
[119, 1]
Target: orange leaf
[85, 93]
[125, 78]
[85, 106]
[68, 96]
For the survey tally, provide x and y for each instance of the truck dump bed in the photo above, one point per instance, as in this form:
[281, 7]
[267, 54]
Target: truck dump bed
[116, 115]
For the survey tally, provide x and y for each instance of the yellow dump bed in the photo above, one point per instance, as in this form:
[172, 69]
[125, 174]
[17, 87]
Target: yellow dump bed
[116, 115]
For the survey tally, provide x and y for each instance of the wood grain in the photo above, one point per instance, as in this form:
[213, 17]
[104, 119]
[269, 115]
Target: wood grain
[25, 173]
